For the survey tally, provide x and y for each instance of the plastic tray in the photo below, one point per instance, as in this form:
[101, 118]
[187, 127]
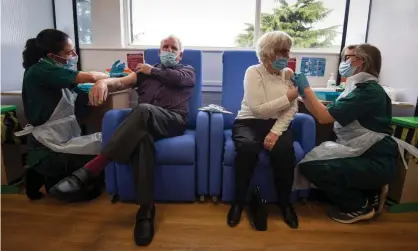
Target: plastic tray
[85, 87]
[327, 96]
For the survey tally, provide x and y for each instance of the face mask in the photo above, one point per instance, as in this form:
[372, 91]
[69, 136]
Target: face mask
[71, 63]
[168, 59]
[346, 69]
[280, 63]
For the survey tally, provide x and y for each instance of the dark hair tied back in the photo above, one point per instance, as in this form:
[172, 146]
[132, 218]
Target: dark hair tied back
[47, 41]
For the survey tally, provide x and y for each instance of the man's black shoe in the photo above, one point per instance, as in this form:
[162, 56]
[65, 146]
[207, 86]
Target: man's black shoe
[144, 225]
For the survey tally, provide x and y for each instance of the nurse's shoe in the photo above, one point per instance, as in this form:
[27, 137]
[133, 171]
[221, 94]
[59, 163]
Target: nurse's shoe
[365, 213]
[34, 182]
[79, 186]
[379, 200]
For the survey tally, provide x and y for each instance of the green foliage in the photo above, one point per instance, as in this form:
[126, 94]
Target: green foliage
[296, 20]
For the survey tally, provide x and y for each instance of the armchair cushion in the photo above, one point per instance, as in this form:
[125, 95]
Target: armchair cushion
[179, 150]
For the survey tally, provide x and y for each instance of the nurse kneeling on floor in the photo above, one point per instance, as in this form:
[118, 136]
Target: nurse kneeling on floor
[355, 170]
[56, 148]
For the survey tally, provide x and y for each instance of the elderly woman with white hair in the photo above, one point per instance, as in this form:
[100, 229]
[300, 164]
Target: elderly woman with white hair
[268, 107]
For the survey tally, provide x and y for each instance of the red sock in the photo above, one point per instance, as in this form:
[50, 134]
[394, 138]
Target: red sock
[97, 164]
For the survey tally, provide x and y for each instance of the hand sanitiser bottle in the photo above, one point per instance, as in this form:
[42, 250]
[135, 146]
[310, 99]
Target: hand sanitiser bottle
[331, 81]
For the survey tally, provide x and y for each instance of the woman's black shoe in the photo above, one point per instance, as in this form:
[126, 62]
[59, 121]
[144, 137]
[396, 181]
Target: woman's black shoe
[234, 215]
[257, 211]
[289, 216]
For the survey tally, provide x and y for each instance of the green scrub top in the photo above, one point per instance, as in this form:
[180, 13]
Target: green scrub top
[369, 104]
[41, 92]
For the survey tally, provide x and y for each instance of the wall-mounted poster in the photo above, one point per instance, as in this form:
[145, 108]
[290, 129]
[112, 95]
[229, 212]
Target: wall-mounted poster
[314, 67]
[135, 59]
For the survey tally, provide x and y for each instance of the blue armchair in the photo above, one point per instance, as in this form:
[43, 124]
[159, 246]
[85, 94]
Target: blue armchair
[181, 172]
[222, 150]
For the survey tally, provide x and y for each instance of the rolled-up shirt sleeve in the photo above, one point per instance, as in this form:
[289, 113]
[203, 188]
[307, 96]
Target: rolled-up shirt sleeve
[182, 76]
[283, 122]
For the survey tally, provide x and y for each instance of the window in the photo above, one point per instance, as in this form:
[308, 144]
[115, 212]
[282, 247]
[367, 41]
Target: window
[357, 22]
[311, 23]
[214, 23]
[231, 23]
[84, 21]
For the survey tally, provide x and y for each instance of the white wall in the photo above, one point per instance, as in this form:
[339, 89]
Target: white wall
[394, 30]
[20, 20]
[64, 16]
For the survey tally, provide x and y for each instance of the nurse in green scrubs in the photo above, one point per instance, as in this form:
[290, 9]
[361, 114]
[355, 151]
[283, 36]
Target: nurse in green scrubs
[50, 66]
[357, 168]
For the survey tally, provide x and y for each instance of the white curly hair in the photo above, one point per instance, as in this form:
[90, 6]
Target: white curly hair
[271, 42]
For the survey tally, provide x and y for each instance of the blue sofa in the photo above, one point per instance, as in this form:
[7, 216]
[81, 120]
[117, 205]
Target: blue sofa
[222, 151]
[181, 173]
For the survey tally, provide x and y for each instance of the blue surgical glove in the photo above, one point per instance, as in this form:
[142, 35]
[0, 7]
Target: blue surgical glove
[117, 69]
[301, 82]
[118, 74]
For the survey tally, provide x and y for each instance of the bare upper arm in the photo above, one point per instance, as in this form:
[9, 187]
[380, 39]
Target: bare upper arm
[288, 73]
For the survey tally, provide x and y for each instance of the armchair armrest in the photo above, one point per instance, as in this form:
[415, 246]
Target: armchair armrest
[202, 151]
[304, 132]
[217, 144]
[111, 121]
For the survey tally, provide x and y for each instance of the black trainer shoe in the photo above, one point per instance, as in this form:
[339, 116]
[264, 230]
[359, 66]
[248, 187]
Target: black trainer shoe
[365, 213]
[34, 182]
[380, 199]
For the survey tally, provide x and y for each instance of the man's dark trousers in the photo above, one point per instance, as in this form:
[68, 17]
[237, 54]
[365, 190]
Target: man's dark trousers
[133, 143]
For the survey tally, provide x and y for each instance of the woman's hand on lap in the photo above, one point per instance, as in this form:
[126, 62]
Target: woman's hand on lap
[270, 140]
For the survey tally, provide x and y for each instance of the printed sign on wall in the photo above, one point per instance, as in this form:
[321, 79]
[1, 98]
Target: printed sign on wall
[314, 67]
[292, 64]
[134, 59]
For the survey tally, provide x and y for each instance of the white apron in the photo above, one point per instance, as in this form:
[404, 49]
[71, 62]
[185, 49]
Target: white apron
[352, 140]
[61, 133]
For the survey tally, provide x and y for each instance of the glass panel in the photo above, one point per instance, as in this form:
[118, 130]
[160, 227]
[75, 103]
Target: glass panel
[311, 23]
[84, 21]
[215, 23]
